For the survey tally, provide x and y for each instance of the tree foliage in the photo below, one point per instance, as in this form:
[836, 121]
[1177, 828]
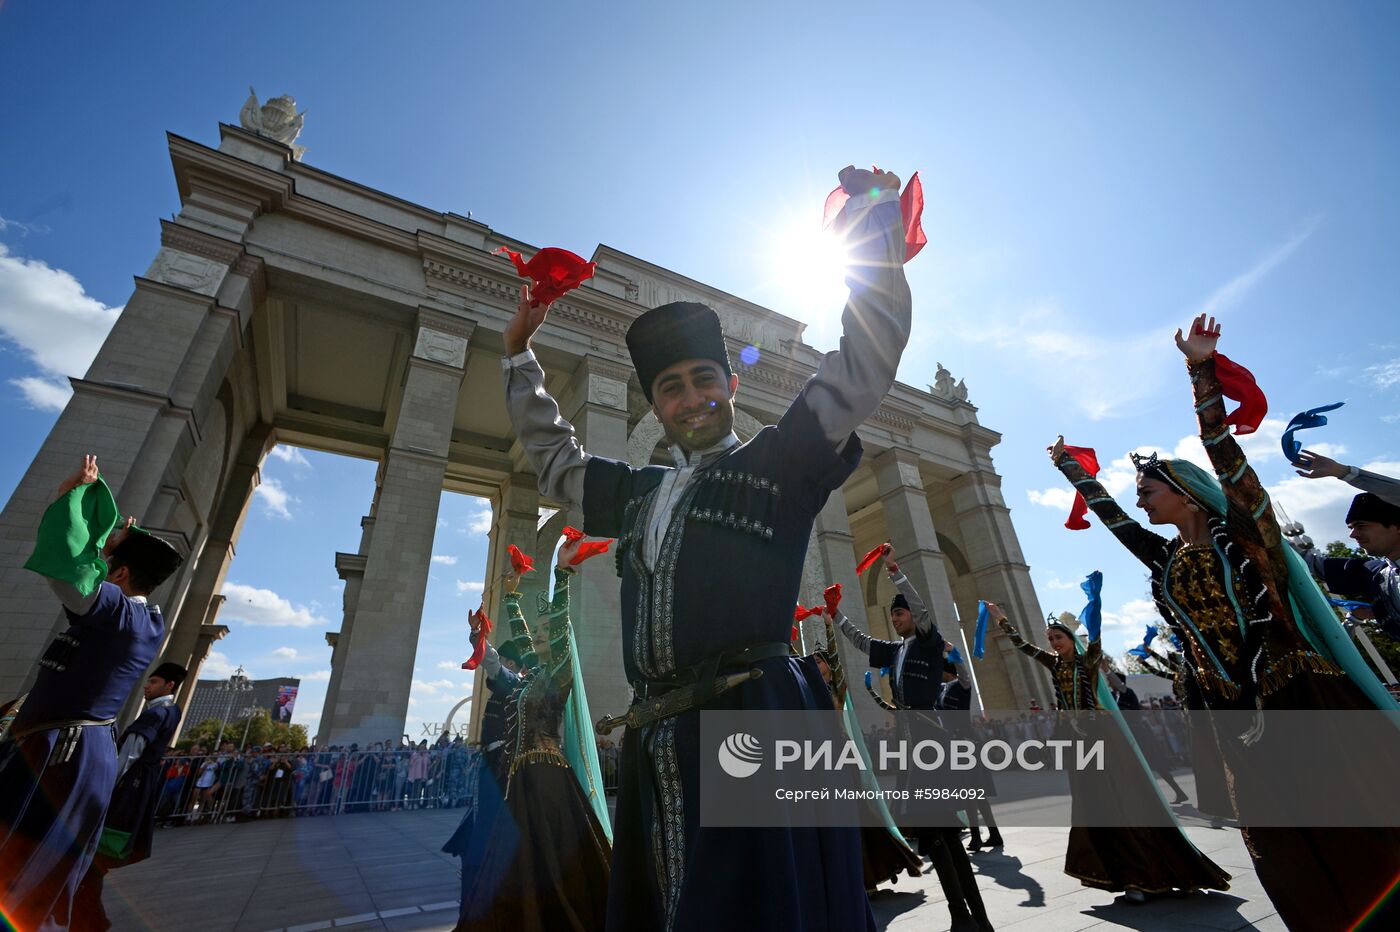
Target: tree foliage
[261, 730]
[1340, 549]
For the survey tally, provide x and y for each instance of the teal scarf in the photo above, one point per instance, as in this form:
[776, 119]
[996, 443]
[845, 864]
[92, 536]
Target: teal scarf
[1314, 615]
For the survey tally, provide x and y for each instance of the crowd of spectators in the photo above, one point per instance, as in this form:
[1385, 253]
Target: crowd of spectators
[202, 785]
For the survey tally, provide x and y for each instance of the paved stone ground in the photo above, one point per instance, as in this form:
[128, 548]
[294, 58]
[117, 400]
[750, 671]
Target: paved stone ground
[384, 871]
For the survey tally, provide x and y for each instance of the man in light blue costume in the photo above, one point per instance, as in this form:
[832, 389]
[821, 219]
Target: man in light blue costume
[740, 512]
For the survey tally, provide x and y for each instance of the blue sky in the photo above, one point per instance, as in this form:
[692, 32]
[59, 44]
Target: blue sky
[1095, 173]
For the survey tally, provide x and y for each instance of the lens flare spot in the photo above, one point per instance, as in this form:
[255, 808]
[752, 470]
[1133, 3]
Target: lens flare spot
[749, 355]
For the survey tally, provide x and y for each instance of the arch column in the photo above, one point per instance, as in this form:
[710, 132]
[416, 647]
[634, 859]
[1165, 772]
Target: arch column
[137, 409]
[372, 700]
[910, 527]
[835, 547]
[210, 568]
[999, 569]
[596, 404]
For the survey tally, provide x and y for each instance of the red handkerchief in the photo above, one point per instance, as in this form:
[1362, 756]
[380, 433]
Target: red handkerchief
[832, 595]
[1237, 383]
[553, 271]
[587, 549]
[870, 558]
[1086, 457]
[519, 562]
[911, 209]
[803, 613]
[479, 652]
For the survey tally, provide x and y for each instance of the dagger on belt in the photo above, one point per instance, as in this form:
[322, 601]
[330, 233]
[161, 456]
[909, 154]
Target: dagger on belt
[678, 700]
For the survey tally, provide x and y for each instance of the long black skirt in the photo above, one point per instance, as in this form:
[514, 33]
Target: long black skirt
[1153, 859]
[1320, 878]
[546, 863]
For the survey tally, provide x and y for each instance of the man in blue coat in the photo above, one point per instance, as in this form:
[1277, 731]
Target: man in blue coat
[916, 662]
[131, 816]
[59, 763]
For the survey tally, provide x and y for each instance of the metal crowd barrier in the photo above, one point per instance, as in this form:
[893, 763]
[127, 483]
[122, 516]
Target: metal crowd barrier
[264, 784]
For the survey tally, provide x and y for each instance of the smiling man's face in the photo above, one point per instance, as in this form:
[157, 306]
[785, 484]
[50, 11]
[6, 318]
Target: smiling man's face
[694, 401]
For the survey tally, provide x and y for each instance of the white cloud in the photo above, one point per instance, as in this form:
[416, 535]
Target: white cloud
[275, 498]
[1060, 499]
[254, 606]
[479, 521]
[47, 314]
[464, 587]
[289, 653]
[289, 455]
[314, 676]
[43, 394]
[1058, 583]
[431, 688]
[1135, 615]
[24, 228]
[444, 559]
[1383, 375]
[449, 665]
[1234, 291]
[216, 666]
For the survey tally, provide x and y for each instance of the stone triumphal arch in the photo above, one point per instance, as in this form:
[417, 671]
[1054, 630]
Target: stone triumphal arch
[288, 305]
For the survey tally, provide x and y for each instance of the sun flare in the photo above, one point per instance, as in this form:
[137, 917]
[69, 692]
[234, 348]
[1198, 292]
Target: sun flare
[808, 267]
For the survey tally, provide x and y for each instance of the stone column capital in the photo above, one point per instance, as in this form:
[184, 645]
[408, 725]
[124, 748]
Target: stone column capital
[442, 338]
[897, 469]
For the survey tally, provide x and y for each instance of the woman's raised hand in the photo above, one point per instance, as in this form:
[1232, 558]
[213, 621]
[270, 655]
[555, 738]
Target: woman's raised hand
[1200, 344]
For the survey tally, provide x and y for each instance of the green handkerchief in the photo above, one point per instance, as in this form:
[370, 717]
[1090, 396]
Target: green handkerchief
[72, 534]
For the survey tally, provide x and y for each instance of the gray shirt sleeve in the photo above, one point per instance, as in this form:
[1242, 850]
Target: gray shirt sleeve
[73, 601]
[130, 750]
[923, 618]
[964, 675]
[547, 439]
[1380, 486]
[491, 662]
[875, 325]
[859, 638]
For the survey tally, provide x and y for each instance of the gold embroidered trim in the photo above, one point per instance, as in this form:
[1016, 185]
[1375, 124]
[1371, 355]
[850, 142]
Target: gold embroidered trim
[1304, 661]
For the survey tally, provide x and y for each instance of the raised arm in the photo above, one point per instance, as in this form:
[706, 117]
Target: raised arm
[1039, 655]
[923, 618]
[1315, 466]
[880, 653]
[547, 439]
[1244, 493]
[1147, 546]
[851, 382]
[561, 662]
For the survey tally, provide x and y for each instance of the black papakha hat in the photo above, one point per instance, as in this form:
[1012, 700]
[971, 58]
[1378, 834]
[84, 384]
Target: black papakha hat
[665, 335]
[514, 649]
[899, 601]
[150, 559]
[171, 672]
[1368, 507]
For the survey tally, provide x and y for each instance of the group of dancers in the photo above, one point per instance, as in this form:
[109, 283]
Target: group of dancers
[710, 552]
